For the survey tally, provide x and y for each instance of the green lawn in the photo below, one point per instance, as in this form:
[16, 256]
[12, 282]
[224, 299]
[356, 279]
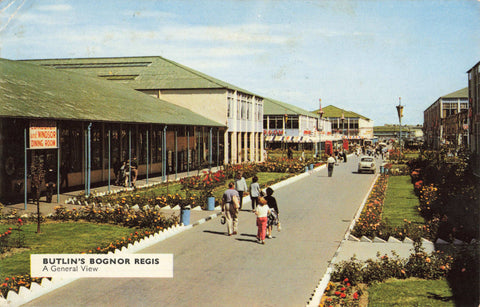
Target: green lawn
[59, 238]
[401, 202]
[410, 292]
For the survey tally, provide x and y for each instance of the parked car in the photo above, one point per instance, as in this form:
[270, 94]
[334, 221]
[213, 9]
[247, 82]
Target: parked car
[367, 164]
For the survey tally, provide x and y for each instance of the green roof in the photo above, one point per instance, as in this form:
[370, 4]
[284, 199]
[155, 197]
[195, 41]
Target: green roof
[332, 111]
[32, 91]
[275, 107]
[463, 93]
[142, 73]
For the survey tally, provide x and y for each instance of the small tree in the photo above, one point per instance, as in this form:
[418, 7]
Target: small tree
[38, 175]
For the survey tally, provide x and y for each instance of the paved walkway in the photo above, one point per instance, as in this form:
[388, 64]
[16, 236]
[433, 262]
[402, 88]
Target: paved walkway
[212, 269]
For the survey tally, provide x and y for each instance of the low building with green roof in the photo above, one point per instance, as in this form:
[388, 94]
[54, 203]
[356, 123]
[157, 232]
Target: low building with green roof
[286, 123]
[239, 109]
[60, 116]
[350, 125]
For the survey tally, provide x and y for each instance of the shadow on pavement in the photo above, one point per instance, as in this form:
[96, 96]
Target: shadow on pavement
[216, 232]
[247, 240]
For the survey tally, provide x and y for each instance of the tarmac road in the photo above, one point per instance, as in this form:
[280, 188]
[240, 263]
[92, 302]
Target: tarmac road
[212, 269]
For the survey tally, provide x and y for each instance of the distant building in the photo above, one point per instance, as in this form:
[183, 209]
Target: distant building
[392, 132]
[348, 124]
[287, 124]
[434, 117]
[474, 114]
[455, 129]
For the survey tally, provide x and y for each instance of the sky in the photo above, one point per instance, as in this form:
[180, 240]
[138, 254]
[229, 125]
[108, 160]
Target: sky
[360, 56]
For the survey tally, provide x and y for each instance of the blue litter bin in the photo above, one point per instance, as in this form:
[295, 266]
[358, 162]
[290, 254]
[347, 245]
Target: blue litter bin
[311, 167]
[185, 216]
[211, 203]
[306, 169]
[381, 169]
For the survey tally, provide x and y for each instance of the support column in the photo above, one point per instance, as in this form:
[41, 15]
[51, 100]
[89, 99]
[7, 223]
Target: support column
[253, 148]
[255, 140]
[262, 146]
[239, 147]
[234, 148]
[245, 146]
[227, 147]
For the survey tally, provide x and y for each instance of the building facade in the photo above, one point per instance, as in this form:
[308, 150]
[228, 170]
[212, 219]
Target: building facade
[348, 125]
[240, 110]
[474, 114]
[287, 125]
[387, 132]
[435, 116]
[84, 128]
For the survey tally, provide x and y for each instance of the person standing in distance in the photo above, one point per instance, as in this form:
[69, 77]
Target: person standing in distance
[229, 210]
[254, 192]
[240, 186]
[330, 164]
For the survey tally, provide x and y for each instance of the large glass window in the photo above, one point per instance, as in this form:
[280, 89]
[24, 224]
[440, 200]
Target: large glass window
[96, 145]
[71, 143]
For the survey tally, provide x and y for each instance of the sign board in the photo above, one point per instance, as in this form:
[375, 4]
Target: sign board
[43, 134]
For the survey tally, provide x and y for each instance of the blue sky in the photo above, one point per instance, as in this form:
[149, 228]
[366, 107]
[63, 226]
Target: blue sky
[357, 55]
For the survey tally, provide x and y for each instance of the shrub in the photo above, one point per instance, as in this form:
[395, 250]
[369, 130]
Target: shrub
[419, 264]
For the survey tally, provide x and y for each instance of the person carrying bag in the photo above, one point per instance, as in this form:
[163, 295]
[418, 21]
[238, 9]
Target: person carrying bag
[230, 205]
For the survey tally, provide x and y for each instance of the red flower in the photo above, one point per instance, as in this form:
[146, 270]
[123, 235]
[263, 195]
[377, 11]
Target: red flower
[337, 293]
[343, 295]
[355, 296]
[345, 280]
[343, 289]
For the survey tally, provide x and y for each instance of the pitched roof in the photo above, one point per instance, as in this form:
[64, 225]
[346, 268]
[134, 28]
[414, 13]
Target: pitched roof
[275, 107]
[332, 111]
[463, 93]
[142, 73]
[32, 91]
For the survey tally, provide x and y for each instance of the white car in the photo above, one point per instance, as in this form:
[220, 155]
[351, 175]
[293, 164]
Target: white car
[367, 164]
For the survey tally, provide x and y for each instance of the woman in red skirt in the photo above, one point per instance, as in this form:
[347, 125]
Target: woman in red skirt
[262, 217]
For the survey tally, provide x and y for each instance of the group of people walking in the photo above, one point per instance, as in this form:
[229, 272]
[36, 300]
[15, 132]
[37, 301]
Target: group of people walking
[127, 172]
[264, 206]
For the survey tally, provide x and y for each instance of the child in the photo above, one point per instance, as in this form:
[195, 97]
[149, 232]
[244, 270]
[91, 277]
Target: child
[274, 213]
[261, 211]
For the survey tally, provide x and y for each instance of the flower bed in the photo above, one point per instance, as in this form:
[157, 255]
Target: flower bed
[371, 224]
[141, 218]
[342, 293]
[348, 275]
[15, 282]
[370, 221]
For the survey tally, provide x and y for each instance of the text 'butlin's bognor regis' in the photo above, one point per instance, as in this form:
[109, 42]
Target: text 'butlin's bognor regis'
[100, 260]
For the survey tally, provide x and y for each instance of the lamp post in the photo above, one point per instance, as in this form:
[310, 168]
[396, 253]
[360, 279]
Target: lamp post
[400, 115]
[343, 123]
[284, 126]
[320, 126]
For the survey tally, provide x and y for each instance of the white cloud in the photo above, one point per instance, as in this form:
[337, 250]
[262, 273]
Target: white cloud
[55, 8]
